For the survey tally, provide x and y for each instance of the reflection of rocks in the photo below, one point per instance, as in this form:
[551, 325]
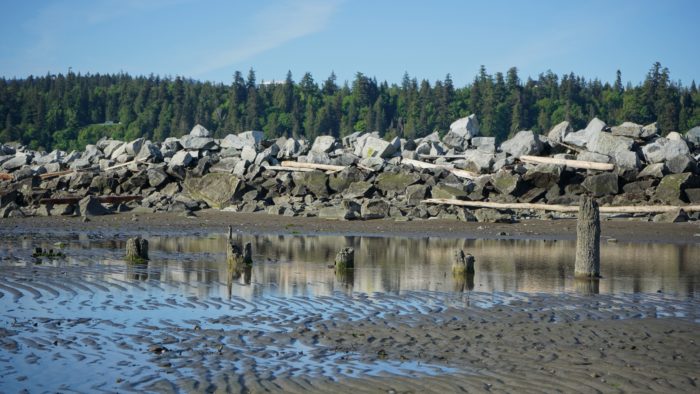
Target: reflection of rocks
[298, 265]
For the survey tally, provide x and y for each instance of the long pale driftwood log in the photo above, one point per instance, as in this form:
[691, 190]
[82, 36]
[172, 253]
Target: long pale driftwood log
[589, 165]
[457, 172]
[287, 168]
[462, 156]
[313, 166]
[563, 208]
[125, 164]
[104, 199]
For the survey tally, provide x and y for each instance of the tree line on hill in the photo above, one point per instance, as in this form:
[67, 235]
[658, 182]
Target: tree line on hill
[69, 111]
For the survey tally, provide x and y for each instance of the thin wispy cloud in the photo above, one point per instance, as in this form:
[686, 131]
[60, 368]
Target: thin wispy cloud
[271, 28]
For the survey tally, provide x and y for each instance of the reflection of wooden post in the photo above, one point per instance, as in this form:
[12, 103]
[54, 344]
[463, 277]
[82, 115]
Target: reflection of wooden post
[587, 286]
[462, 263]
[345, 259]
[588, 240]
[136, 249]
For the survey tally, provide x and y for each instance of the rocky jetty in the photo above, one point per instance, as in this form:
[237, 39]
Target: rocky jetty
[361, 176]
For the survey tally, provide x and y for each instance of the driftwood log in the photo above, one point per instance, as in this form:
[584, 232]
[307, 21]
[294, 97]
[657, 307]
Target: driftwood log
[457, 172]
[102, 199]
[313, 166]
[137, 250]
[563, 208]
[588, 240]
[588, 165]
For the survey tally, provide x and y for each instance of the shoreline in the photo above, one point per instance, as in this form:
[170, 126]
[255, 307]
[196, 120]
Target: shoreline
[620, 229]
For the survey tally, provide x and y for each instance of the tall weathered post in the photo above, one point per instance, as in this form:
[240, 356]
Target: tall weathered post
[588, 239]
[136, 250]
[462, 263]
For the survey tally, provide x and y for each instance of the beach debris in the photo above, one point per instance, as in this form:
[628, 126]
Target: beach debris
[463, 263]
[588, 240]
[136, 250]
[345, 259]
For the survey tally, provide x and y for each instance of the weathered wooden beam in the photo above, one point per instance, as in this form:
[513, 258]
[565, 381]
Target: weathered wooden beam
[50, 175]
[589, 165]
[75, 200]
[563, 208]
[313, 166]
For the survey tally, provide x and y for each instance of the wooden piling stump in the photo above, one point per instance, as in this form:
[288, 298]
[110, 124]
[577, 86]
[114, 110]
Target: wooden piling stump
[137, 249]
[345, 259]
[463, 263]
[588, 240]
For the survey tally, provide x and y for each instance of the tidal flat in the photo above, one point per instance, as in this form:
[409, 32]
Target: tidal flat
[398, 321]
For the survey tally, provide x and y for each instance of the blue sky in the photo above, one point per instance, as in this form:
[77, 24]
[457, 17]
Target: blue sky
[209, 40]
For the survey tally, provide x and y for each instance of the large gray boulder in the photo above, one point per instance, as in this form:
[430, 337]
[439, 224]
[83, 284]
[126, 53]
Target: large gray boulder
[627, 129]
[544, 175]
[693, 136]
[133, 147]
[252, 137]
[581, 138]
[324, 144]
[180, 159]
[523, 143]
[374, 209]
[218, 190]
[477, 161]
[505, 182]
[198, 143]
[671, 189]
[149, 152]
[368, 146]
[616, 147]
[663, 149]
[291, 149]
[232, 141]
[558, 132]
[602, 184]
[461, 131]
[200, 131]
[90, 206]
[16, 162]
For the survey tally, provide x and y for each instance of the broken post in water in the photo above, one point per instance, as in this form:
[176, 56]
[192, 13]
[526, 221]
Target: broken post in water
[588, 240]
[238, 259]
[345, 259]
[463, 263]
[136, 250]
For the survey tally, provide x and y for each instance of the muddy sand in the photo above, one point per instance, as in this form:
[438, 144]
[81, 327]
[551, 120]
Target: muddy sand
[94, 323]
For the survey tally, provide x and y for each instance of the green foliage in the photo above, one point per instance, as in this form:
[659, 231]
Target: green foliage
[70, 111]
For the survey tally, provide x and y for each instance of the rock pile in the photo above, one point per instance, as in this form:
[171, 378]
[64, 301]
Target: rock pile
[363, 176]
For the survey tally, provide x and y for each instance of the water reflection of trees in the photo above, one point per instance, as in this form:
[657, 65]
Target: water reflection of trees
[298, 265]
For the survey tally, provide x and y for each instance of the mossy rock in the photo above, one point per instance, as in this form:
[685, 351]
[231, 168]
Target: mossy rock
[671, 189]
[448, 192]
[390, 182]
[216, 189]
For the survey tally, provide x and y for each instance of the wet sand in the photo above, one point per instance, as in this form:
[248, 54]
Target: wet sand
[621, 228]
[89, 326]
